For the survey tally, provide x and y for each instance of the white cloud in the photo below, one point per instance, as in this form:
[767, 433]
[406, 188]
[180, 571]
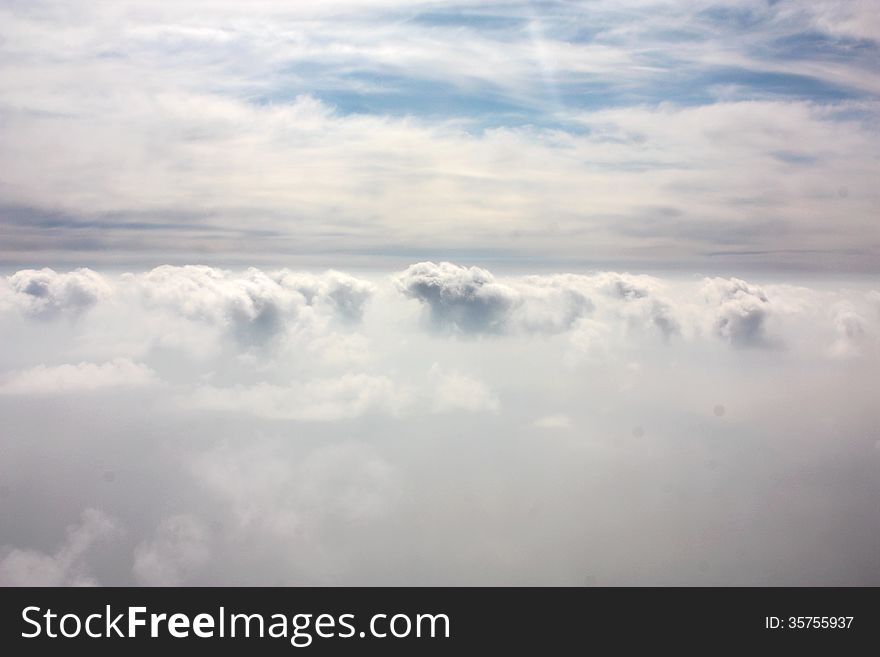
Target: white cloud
[336, 293]
[453, 391]
[464, 299]
[306, 520]
[68, 565]
[553, 304]
[553, 422]
[645, 305]
[349, 396]
[853, 333]
[254, 306]
[46, 293]
[741, 311]
[82, 377]
[178, 551]
[470, 300]
[292, 427]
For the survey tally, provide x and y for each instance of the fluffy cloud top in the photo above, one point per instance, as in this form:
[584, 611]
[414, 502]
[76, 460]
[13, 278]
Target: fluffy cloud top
[46, 293]
[255, 306]
[470, 300]
[321, 316]
[741, 311]
[460, 298]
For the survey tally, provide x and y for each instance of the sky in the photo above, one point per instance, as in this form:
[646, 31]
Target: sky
[641, 134]
[445, 293]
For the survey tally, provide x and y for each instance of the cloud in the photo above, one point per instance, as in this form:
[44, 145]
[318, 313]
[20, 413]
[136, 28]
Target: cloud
[309, 517]
[644, 305]
[255, 306]
[738, 204]
[284, 424]
[452, 391]
[179, 549]
[853, 333]
[492, 125]
[349, 396]
[201, 313]
[340, 294]
[82, 377]
[469, 300]
[47, 294]
[304, 325]
[278, 495]
[553, 422]
[252, 306]
[356, 444]
[463, 299]
[741, 311]
[68, 565]
[554, 303]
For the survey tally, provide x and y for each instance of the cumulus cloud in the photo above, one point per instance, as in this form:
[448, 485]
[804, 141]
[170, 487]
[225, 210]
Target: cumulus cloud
[552, 304]
[741, 311]
[471, 300]
[46, 293]
[254, 306]
[852, 333]
[643, 304]
[68, 565]
[343, 295]
[463, 299]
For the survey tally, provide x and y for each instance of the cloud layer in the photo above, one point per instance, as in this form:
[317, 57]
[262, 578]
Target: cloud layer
[441, 424]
